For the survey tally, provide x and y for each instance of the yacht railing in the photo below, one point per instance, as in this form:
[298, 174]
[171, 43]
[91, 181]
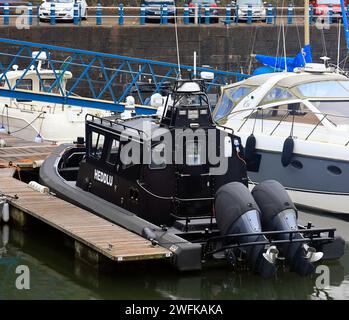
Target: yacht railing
[258, 114]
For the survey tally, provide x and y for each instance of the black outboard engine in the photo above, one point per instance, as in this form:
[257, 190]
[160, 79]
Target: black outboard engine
[237, 212]
[279, 213]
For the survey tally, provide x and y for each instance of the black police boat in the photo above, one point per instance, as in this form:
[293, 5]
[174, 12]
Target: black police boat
[180, 181]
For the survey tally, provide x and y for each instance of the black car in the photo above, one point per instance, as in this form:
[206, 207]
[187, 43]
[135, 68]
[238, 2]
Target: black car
[212, 4]
[153, 9]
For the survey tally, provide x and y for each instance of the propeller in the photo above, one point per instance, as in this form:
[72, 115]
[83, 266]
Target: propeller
[312, 255]
[271, 254]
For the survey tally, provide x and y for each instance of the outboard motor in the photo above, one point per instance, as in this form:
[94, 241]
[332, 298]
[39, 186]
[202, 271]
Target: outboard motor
[237, 212]
[279, 213]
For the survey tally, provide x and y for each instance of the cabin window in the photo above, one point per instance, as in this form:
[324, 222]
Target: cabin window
[46, 84]
[113, 151]
[230, 98]
[337, 112]
[296, 112]
[277, 94]
[325, 89]
[24, 84]
[96, 145]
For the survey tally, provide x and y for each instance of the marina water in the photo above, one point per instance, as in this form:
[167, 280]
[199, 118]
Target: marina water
[56, 274]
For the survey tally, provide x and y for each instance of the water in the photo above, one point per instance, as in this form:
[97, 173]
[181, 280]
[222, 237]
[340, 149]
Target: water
[55, 274]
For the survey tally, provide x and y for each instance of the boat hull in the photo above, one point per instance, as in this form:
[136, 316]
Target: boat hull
[312, 182]
[186, 255]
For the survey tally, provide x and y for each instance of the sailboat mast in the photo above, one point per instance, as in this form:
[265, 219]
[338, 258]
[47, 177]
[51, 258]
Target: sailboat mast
[306, 23]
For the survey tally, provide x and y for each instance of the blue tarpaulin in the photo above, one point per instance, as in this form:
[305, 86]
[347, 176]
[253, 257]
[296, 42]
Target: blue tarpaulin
[288, 63]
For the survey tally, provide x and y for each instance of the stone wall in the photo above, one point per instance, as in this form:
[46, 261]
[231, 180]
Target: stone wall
[227, 48]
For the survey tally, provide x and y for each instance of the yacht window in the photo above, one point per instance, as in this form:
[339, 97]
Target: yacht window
[113, 152]
[46, 84]
[230, 98]
[96, 145]
[325, 89]
[25, 84]
[193, 154]
[287, 112]
[277, 94]
[337, 111]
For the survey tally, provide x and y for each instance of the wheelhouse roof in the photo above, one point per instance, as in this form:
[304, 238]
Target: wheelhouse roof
[141, 126]
[44, 73]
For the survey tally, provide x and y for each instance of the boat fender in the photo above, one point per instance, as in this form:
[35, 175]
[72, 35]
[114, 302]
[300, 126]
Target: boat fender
[38, 187]
[287, 151]
[250, 147]
[5, 234]
[3, 143]
[5, 212]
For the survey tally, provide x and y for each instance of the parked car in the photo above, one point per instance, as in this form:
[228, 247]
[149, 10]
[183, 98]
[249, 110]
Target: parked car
[321, 8]
[258, 9]
[213, 4]
[153, 9]
[64, 9]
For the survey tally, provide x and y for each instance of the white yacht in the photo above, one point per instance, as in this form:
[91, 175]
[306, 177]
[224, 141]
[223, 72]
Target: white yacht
[41, 121]
[295, 127]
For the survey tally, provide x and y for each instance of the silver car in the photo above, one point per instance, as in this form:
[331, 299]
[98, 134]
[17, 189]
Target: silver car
[257, 7]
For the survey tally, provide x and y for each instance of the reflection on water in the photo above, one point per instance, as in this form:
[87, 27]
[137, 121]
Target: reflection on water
[55, 274]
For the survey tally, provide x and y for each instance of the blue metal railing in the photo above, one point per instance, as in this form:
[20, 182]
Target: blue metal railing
[99, 76]
[122, 15]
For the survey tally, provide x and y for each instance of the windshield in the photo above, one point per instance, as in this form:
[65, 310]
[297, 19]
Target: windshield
[247, 2]
[230, 98]
[325, 89]
[337, 111]
[328, 2]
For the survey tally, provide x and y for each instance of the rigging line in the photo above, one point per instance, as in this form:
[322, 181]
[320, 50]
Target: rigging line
[284, 43]
[177, 43]
[278, 41]
[252, 50]
[323, 41]
[297, 28]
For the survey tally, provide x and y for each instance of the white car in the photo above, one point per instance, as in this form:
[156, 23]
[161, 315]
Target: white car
[64, 9]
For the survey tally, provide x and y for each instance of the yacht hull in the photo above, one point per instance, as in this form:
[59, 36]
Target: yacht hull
[312, 182]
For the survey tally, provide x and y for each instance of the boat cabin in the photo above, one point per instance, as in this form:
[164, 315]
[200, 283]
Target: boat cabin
[153, 166]
[36, 81]
[279, 104]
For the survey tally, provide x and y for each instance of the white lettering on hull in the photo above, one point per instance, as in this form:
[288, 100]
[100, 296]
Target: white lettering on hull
[103, 177]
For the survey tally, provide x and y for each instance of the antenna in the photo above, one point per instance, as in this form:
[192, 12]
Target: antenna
[194, 67]
[177, 45]
[339, 43]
